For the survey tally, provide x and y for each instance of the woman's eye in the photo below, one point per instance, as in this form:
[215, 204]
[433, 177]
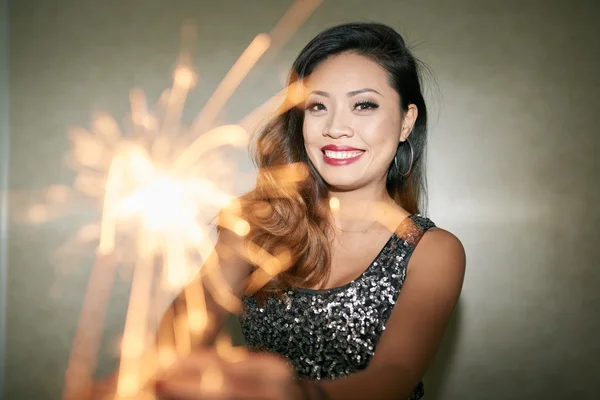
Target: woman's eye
[365, 105]
[315, 107]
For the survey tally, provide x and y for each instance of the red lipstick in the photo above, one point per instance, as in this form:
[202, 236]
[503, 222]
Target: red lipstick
[340, 159]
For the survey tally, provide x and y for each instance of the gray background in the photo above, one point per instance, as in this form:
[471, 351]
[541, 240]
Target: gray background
[513, 166]
[4, 152]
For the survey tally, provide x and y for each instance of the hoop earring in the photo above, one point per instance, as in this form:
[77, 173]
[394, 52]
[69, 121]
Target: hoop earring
[409, 165]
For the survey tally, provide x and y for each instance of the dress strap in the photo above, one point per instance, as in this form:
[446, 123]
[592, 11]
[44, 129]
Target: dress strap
[412, 229]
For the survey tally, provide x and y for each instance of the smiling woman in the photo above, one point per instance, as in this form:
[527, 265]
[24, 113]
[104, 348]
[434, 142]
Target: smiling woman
[361, 127]
[371, 284]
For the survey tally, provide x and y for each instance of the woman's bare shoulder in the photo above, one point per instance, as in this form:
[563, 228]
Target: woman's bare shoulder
[441, 248]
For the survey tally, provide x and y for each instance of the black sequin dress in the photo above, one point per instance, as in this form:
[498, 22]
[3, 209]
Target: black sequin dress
[332, 333]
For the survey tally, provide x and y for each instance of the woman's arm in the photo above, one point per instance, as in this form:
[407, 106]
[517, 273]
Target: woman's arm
[233, 270]
[416, 326]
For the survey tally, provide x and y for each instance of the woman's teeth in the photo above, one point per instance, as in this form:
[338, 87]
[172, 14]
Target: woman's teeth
[342, 154]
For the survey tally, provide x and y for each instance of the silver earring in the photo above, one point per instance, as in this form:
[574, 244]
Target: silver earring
[409, 165]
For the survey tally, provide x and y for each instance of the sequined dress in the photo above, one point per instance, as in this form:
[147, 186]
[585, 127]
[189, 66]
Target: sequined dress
[331, 333]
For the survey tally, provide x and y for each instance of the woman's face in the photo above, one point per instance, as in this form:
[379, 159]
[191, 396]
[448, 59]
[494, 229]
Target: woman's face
[352, 122]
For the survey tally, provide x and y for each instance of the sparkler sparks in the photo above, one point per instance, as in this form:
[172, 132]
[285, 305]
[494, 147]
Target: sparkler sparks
[156, 205]
[163, 210]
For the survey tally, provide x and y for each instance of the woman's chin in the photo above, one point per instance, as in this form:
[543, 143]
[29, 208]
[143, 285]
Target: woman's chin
[340, 184]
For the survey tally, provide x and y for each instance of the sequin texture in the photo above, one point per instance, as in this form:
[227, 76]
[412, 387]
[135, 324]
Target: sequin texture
[331, 333]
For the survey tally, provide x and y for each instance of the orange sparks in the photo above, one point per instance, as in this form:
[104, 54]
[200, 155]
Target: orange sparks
[157, 201]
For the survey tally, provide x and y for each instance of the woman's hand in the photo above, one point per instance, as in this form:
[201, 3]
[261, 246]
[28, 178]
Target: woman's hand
[207, 375]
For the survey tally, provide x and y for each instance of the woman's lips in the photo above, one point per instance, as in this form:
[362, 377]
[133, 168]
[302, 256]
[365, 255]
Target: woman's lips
[341, 157]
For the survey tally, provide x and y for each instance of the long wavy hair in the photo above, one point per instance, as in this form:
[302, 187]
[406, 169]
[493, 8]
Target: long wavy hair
[297, 216]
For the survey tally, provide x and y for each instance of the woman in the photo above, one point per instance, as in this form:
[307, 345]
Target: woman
[372, 286]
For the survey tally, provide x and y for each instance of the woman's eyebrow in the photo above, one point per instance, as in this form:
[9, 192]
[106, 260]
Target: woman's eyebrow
[365, 90]
[349, 94]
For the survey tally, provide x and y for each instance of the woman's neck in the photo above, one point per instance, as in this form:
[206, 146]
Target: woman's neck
[358, 210]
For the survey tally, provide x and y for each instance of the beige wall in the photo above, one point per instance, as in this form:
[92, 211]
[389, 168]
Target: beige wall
[513, 166]
[4, 152]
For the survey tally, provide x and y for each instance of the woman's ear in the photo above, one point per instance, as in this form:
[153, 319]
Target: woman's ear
[408, 122]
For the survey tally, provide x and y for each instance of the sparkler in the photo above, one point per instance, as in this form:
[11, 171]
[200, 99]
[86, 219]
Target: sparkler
[156, 196]
[156, 204]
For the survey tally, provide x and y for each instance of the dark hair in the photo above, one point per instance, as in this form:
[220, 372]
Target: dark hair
[299, 219]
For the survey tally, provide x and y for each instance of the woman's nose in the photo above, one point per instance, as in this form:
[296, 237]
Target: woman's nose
[338, 126]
